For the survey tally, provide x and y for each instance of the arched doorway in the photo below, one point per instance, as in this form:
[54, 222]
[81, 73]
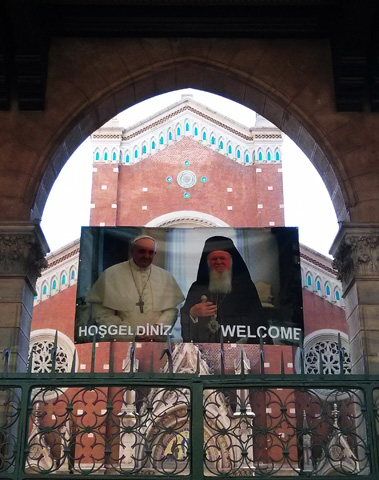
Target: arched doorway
[286, 82]
[231, 83]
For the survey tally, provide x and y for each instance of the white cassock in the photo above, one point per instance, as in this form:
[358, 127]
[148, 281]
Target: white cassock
[116, 293]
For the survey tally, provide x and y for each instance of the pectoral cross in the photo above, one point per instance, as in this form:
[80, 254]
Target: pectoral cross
[140, 304]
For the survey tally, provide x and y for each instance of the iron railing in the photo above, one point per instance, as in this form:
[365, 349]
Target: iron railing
[187, 425]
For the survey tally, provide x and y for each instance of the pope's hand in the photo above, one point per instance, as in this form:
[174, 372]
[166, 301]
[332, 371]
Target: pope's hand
[203, 309]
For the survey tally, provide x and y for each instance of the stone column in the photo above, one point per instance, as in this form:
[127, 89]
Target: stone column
[356, 257]
[22, 257]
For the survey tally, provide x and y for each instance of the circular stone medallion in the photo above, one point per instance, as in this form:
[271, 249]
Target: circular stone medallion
[186, 179]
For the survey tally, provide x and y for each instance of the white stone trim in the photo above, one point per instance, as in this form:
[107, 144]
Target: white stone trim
[119, 140]
[187, 217]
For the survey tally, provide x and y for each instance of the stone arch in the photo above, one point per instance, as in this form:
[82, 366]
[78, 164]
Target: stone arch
[209, 74]
[187, 218]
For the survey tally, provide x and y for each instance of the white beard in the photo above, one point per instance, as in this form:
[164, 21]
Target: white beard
[220, 282]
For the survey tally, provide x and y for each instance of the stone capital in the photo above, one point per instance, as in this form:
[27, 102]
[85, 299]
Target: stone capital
[22, 250]
[356, 253]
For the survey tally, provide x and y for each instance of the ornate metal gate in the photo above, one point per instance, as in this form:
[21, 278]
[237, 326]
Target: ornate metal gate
[188, 426]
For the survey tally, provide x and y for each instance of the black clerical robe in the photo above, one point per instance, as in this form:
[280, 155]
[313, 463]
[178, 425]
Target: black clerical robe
[239, 314]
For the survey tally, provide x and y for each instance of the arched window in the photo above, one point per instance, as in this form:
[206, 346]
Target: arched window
[161, 140]
[54, 285]
[41, 345]
[144, 149]
[72, 275]
[196, 132]
[105, 156]
[247, 158]
[337, 295]
[238, 153]
[170, 135]
[44, 290]
[135, 153]
[187, 127]
[324, 343]
[318, 285]
[221, 145]
[153, 145]
[277, 156]
[63, 281]
[309, 280]
[127, 158]
[178, 131]
[97, 156]
[268, 156]
[114, 156]
[204, 135]
[230, 149]
[260, 156]
[327, 290]
[213, 140]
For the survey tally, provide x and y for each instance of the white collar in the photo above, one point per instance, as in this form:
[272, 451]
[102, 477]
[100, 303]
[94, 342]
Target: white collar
[136, 268]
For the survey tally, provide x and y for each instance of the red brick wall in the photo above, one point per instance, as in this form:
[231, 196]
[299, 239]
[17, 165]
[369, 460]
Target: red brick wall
[269, 186]
[320, 313]
[210, 197]
[104, 198]
[57, 312]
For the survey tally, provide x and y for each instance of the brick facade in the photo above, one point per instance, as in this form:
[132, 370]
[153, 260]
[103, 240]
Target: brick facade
[141, 192]
[227, 163]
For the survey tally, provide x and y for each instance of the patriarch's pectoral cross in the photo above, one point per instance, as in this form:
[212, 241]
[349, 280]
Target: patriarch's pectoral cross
[140, 304]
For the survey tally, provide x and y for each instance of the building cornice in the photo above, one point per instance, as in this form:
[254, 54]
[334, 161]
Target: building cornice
[318, 264]
[61, 259]
[126, 136]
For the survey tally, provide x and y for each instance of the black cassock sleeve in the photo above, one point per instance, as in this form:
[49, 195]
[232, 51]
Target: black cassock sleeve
[241, 307]
[189, 328]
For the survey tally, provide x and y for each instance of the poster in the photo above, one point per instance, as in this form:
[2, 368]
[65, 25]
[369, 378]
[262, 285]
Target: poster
[200, 285]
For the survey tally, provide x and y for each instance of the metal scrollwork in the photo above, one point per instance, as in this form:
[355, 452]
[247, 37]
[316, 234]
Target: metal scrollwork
[9, 418]
[145, 430]
[117, 430]
[289, 432]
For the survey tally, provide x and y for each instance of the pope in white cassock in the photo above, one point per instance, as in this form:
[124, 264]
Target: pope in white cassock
[136, 296]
